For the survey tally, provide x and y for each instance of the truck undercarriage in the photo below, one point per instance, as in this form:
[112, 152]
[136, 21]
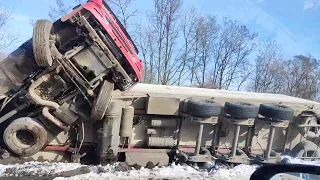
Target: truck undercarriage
[72, 93]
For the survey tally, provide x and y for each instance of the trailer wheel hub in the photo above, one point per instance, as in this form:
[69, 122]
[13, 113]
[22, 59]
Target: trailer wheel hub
[26, 137]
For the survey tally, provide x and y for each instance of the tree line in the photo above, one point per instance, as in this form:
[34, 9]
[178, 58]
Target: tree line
[183, 47]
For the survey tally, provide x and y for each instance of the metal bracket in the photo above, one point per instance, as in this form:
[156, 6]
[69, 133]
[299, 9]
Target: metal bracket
[238, 123]
[243, 159]
[209, 120]
[242, 122]
[275, 122]
[200, 158]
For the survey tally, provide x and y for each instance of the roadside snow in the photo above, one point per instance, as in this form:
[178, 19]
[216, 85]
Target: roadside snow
[37, 168]
[299, 161]
[240, 172]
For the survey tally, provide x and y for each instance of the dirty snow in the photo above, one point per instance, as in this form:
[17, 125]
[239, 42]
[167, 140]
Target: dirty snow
[172, 172]
[37, 168]
[299, 161]
[240, 172]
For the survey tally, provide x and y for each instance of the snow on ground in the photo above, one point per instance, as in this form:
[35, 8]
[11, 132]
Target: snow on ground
[299, 161]
[240, 172]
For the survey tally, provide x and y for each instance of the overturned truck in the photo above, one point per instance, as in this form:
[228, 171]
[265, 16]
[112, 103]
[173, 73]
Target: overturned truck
[71, 93]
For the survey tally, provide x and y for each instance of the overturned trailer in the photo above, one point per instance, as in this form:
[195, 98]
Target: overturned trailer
[71, 93]
[161, 124]
[202, 125]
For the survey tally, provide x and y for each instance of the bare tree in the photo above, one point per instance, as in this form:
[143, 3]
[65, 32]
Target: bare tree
[7, 38]
[269, 70]
[230, 52]
[206, 34]
[61, 8]
[164, 26]
[145, 43]
[297, 76]
[188, 30]
[302, 75]
[124, 10]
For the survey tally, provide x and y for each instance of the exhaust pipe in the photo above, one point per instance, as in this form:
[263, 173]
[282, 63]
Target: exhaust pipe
[48, 104]
[36, 98]
[57, 122]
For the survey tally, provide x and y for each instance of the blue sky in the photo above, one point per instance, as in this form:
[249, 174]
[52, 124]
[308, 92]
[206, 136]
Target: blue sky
[292, 23]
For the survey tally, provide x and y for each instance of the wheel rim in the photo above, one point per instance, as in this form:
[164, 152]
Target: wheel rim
[25, 137]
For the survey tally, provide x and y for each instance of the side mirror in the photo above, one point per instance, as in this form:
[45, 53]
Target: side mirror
[286, 172]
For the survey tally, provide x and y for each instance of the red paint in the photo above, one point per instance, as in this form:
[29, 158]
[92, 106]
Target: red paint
[98, 3]
[108, 21]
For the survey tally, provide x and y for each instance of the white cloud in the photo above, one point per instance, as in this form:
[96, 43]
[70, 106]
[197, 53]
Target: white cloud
[309, 4]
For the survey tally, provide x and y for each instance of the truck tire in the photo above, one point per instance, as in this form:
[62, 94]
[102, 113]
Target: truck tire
[241, 110]
[41, 43]
[276, 111]
[203, 108]
[25, 136]
[305, 146]
[310, 132]
[102, 101]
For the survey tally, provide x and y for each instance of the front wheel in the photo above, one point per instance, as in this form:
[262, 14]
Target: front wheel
[305, 149]
[41, 43]
[102, 101]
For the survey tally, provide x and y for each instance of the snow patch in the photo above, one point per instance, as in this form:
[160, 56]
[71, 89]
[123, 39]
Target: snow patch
[240, 172]
[292, 160]
[37, 168]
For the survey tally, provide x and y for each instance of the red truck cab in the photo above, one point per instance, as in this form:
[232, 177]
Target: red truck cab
[119, 41]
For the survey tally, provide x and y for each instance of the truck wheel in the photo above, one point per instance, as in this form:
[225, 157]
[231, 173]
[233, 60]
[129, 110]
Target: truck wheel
[102, 101]
[203, 108]
[25, 136]
[310, 132]
[241, 110]
[276, 111]
[41, 43]
[306, 149]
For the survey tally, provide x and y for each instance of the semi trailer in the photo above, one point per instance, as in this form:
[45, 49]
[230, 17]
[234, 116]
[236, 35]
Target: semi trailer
[72, 93]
